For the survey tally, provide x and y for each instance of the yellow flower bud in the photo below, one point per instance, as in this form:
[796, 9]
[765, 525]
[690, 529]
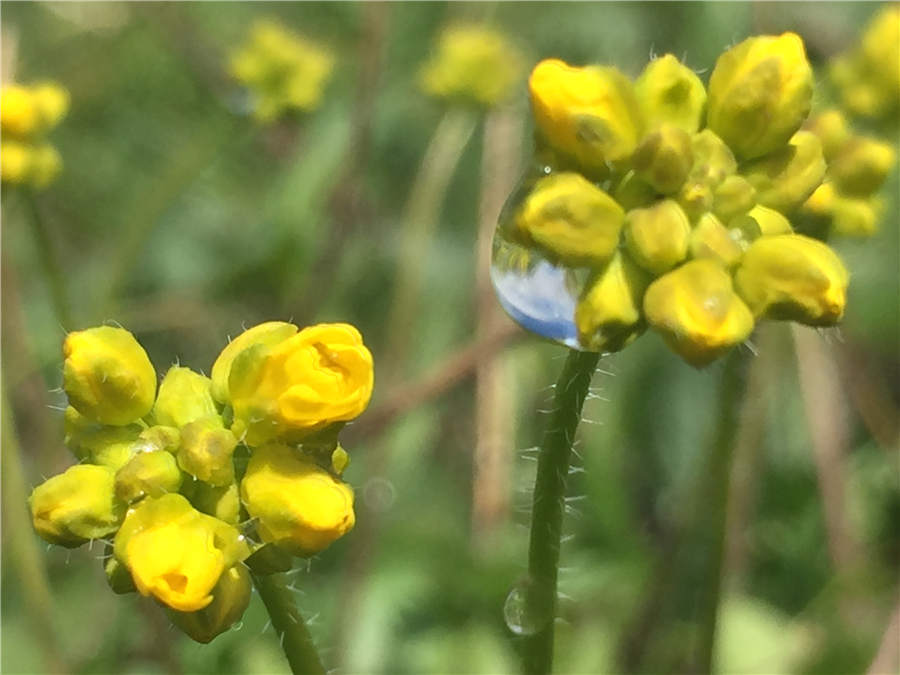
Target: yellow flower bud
[320, 376]
[862, 166]
[833, 131]
[107, 375]
[713, 162]
[222, 501]
[664, 158]
[147, 473]
[15, 162]
[710, 239]
[760, 92]
[733, 197]
[76, 506]
[89, 441]
[571, 220]
[230, 599]
[269, 333]
[184, 396]
[298, 506]
[633, 192]
[657, 237]
[786, 178]
[670, 92]
[205, 451]
[855, 217]
[19, 115]
[790, 276]
[51, 102]
[697, 312]
[340, 460]
[472, 64]
[176, 553]
[45, 165]
[589, 114]
[608, 315]
[769, 221]
[158, 438]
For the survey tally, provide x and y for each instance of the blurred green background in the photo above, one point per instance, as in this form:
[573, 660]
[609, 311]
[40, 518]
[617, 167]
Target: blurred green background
[180, 218]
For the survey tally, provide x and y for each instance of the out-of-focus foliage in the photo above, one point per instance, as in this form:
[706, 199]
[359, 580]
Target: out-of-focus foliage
[179, 217]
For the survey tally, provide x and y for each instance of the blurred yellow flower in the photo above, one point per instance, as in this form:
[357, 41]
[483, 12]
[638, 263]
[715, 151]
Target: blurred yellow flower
[299, 506]
[319, 376]
[15, 161]
[18, 111]
[26, 114]
[283, 71]
[472, 64]
[176, 553]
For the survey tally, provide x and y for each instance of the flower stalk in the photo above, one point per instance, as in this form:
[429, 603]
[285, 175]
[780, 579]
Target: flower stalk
[289, 626]
[548, 507]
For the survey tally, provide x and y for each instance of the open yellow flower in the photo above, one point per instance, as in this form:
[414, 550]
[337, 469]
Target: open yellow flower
[299, 506]
[315, 378]
[175, 553]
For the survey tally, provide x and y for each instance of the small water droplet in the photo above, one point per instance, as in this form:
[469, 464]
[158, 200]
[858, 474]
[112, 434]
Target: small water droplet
[519, 617]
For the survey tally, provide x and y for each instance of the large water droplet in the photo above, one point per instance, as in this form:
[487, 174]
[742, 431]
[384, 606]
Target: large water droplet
[520, 618]
[537, 294]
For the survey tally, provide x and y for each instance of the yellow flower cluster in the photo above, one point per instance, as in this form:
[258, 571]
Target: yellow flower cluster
[199, 477]
[27, 114]
[868, 76]
[284, 72]
[847, 203]
[669, 203]
[472, 65]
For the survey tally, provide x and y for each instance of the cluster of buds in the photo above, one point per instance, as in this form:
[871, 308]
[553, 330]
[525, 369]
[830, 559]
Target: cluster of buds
[868, 76]
[472, 65]
[670, 203]
[193, 481]
[283, 72]
[847, 203]
[27, 114]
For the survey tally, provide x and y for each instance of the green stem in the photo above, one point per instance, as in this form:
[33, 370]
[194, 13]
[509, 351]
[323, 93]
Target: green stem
[289, 626]
[711, 517]
[549, 506]
[49, 261]
[21, 545]
[420, 219]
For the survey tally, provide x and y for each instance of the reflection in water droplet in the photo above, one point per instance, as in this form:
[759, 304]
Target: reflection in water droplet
[537, 294]
[519, 618]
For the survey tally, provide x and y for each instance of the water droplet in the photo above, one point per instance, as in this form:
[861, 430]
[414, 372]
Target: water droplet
[519, 617]
[539, 295]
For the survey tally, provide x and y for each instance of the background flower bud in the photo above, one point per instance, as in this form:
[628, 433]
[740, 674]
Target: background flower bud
[299, 506]
[231, 596]
[733, 197]
[147, 473]
[51, 103]
[608, 314]
[184, 396]
[571, 219]
[760, 92]
[99, 444]
[833, 131]
[44, 165]
[176, 553]
[697, 312]
[76, 506]
[18, 113]
[205, 451]
[793, 277]
[657, 237]
[862, 166]
[158, 438]
[589, 114]
[710, 239]
[670, 92]
[633, 192]
[15, 161]
[269, 333]
[107, 375]
[786, 178]
[769, 221]
[664, 158]
[855, 217]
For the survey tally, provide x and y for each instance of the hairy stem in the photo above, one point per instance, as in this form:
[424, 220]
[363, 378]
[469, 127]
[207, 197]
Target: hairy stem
[289, 626]
[549, 505]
